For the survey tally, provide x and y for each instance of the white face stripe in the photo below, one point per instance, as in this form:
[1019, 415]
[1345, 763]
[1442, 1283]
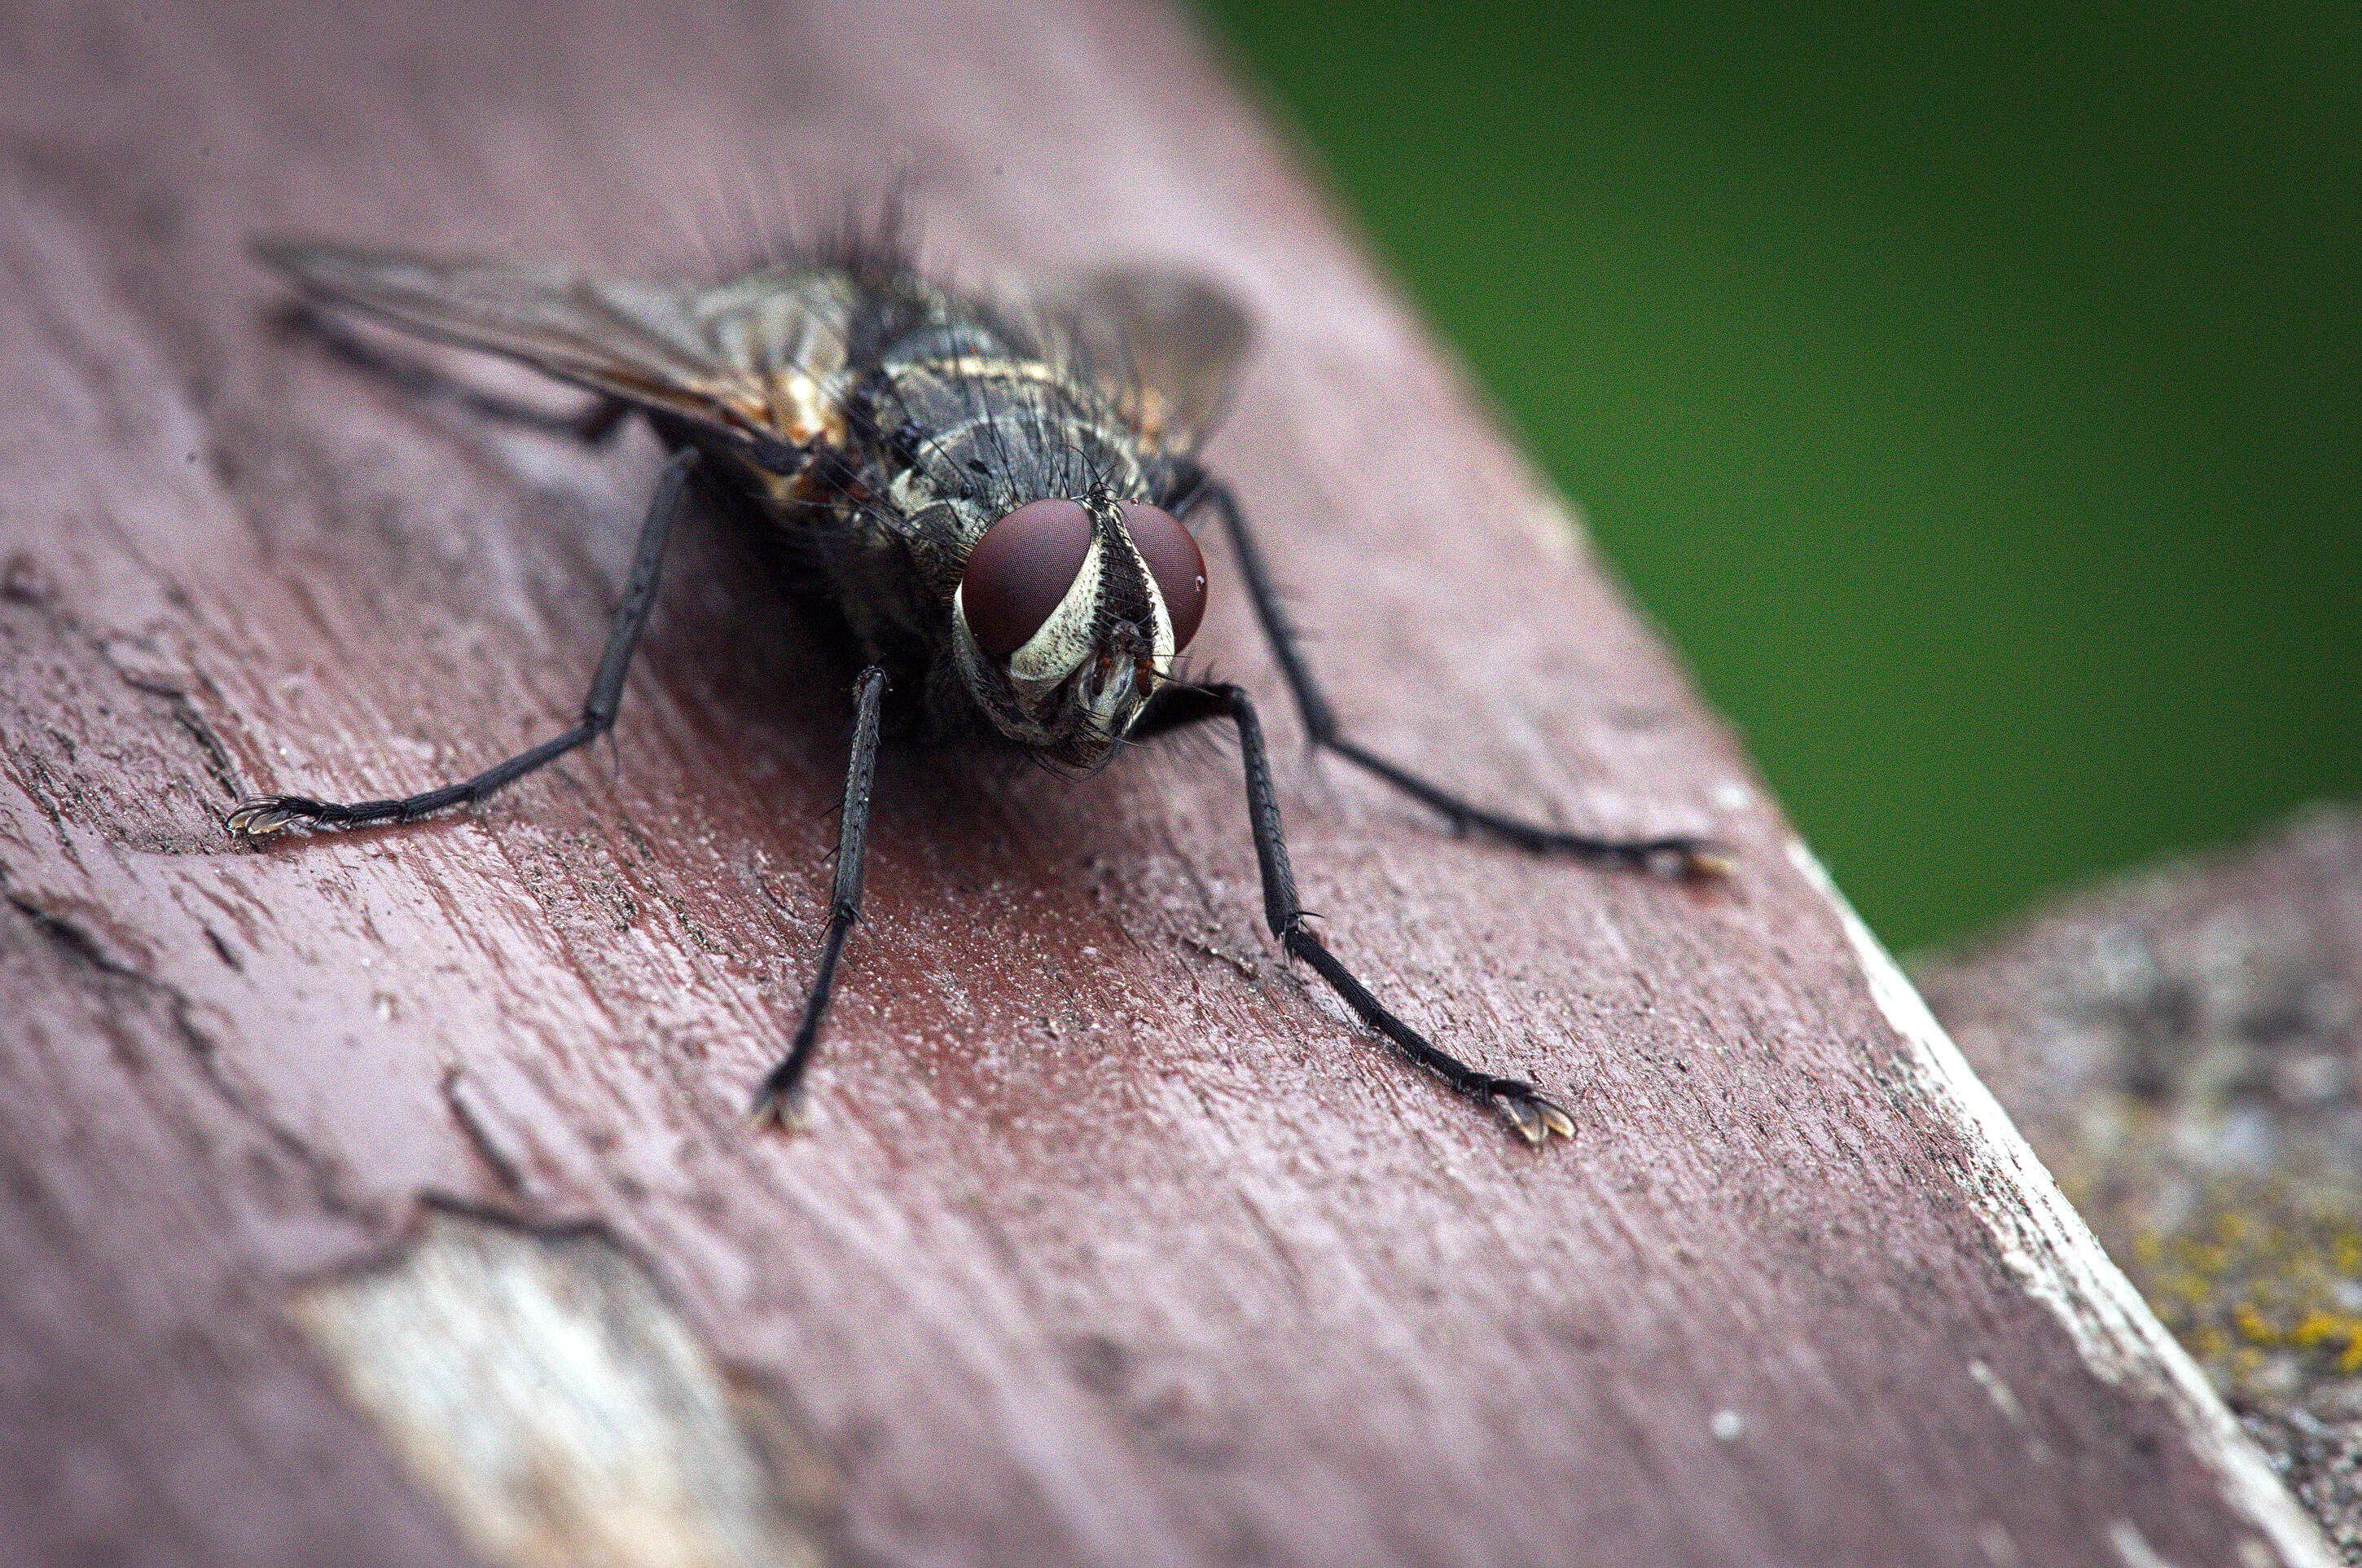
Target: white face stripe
[1059, 648]
[1063, 641]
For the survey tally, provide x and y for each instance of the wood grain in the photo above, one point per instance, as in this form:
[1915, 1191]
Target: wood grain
[1114, 1242]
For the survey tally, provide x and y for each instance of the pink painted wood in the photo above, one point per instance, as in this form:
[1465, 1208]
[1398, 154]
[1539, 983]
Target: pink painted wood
[1114, 1241]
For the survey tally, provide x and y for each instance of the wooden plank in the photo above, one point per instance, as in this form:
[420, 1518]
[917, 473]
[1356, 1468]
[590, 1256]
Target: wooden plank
[1112, 1241]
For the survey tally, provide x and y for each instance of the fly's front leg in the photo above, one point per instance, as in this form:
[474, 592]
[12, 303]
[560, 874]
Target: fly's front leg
[267, 814]
[780, 1098]
[1533, 1115]
[1678, 856]
[593, 426]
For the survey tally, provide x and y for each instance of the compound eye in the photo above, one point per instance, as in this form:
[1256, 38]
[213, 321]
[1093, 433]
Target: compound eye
[1174, 560]
[1021, 570]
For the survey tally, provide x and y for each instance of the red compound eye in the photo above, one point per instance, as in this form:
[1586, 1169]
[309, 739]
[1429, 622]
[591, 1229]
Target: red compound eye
[1021, 570]
[1174, 561]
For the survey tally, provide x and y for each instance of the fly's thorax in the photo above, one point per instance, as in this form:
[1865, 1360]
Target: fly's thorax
[1006, 429]
[964, 438]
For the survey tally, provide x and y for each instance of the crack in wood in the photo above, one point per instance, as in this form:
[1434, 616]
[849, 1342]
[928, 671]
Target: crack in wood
[86, 952]
[85, 650]
[191, 720]
[471, 1120]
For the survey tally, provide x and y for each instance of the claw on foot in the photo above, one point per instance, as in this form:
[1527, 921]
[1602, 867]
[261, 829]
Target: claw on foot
[1711, 862]
[264, 816]
[777, 1110]
[1689, 860]
[1532, 1115]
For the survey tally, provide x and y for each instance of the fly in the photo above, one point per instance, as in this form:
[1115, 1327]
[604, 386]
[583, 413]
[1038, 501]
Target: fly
[995, 500]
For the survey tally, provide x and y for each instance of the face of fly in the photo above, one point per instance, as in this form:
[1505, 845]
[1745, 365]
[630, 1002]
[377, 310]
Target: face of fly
[1069, 614]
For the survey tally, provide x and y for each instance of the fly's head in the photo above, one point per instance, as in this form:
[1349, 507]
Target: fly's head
[1068, 615]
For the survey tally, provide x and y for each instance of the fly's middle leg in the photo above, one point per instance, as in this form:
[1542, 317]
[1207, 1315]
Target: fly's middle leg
[268, 813]
[1677, 857]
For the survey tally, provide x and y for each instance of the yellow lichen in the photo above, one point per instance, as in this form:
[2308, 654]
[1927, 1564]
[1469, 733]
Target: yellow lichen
[2256, 1275]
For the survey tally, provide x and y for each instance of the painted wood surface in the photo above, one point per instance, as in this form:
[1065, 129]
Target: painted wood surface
[364, 1195]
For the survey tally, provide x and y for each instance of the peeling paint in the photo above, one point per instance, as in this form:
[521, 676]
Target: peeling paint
[544, 1391]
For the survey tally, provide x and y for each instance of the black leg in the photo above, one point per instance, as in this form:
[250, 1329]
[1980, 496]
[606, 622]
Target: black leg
[593, 426]
[1534, 1115]
[271, 812]
[1677, 857]
[780, 1099]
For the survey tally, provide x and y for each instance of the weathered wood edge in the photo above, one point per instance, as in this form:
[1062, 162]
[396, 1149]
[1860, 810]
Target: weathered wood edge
[2052, 1249]
[2182, 1046]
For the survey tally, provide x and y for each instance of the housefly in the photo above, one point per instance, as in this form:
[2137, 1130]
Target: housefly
[996, 500]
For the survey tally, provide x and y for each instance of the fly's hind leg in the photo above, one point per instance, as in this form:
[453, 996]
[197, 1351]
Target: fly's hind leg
[268, 813]
[1677, 857]
[1531, 1114]
[594, 425]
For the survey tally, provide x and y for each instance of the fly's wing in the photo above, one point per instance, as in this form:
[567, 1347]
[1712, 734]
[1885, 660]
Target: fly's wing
[743, 360]
[1166, 345]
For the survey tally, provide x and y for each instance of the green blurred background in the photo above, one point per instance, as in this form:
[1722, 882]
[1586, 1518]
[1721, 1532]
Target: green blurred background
[1977, 403]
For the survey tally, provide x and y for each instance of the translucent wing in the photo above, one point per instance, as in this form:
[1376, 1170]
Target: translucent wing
[1167, 344]
[744, 359]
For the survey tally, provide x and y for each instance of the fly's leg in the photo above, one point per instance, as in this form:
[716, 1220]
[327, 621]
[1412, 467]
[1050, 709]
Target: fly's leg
[593, 426]
[1674, 858]
[1533, 1115]
[268, 813]
[779, 1100]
